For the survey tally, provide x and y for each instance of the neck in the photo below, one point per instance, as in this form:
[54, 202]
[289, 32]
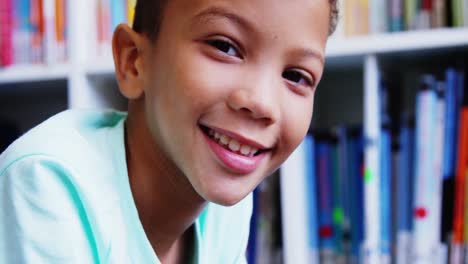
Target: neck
[166, 202]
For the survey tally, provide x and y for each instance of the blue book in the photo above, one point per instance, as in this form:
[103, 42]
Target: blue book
[405, 179]
[311, 195]
[385, 193]
[118, 13]
[355, 155]
[252, 244]
[325, 202]
[450, 122]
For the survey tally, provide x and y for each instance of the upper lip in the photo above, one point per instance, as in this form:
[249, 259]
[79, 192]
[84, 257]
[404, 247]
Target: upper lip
[242, 140]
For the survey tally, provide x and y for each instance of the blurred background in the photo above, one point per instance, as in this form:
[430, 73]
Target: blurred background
[381, 176]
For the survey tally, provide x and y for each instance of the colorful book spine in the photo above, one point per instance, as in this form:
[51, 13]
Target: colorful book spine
[425, 241]
[118, 13]
[460, 193]
[38, 29]
[311, 193]
[396, 15]
[457, 13]
[337, 199]
[6, 30]
[404, 193]
[131, 11]
[356, 201]
[385, 196]
[438, 17]
[378, 16]
[50, 43]
[325, 202]
[372, 121]
[60, 30]
[437, 187]
[21, 32]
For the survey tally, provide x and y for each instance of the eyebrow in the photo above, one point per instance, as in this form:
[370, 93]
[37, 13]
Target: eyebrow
[214, 13]
[309, 53]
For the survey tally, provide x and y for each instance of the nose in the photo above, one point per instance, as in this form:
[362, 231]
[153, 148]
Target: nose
[257, 100]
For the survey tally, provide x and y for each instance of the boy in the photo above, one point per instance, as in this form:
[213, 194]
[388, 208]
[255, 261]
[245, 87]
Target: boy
[220, 93]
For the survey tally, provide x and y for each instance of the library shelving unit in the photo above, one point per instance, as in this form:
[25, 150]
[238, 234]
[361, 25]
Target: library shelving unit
[29, 94]
[348, 93]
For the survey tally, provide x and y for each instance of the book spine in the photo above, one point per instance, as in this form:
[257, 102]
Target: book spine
[396, 15]
[372, 170]
[21, 32]
[312, 211]
[438, 165]
[378, 16]
[325, 203]
[131, 11]
[457, 13]
[404, 193]
[50, 42]
[60, 30]
[465, 13]
[104, 27]
[37, 25]
[411, 9]
[424, 241]
[118, 13]
[6, 30]
[385, 197]
[438, 18]
[294, 204]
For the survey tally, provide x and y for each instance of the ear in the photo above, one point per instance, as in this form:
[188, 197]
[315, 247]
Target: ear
[127, 48]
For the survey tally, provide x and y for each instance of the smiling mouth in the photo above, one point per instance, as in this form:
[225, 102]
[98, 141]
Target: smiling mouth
[231, 144]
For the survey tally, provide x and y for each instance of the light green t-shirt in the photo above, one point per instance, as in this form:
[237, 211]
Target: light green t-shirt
[65, 197]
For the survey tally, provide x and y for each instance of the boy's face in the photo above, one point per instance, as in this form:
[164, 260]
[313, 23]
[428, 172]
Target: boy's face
[244, 69]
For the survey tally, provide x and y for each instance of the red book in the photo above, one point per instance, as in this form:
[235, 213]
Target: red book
[462, 163]
[6, 32]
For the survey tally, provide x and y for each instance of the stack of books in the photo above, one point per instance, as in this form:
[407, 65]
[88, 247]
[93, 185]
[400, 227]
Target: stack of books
[33, 32]
[361, 17]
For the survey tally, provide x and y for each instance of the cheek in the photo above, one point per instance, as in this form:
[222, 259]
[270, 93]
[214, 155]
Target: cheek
[297, 118]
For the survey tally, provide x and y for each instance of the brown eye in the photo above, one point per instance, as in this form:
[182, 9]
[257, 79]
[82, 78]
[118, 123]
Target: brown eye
[224, 46]
[297, 77]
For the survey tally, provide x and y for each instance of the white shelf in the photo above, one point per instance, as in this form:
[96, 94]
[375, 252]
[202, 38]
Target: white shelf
[398, 42]
[33, 73]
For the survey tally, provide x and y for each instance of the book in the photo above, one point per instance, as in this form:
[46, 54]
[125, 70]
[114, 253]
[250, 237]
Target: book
[6, 31]
[404, 191]
[425, 239]
[396, 16]
[293, 209]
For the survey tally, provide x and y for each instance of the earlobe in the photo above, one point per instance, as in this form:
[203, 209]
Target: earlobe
[127, 51]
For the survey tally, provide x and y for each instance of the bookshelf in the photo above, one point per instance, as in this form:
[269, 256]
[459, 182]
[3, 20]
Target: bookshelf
[29, 94]
[353, 65]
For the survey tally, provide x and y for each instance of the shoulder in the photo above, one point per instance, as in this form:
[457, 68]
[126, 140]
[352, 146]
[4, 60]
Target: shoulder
[61, 134]
[79, 139]
[40, 209]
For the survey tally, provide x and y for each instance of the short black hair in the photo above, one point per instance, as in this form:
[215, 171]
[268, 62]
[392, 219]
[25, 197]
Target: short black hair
[148, 16]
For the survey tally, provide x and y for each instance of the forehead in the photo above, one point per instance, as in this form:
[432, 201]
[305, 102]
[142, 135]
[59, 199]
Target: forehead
[298, 19]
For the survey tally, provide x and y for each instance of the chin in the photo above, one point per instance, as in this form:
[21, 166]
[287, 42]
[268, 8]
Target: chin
[224, 197]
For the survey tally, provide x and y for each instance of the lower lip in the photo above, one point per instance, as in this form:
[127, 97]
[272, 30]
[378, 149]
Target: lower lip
[237, 163]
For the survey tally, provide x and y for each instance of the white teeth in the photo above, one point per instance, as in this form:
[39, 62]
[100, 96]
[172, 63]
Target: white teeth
[234, 145]
[245, 150]
[253, 151]
[224, 140]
